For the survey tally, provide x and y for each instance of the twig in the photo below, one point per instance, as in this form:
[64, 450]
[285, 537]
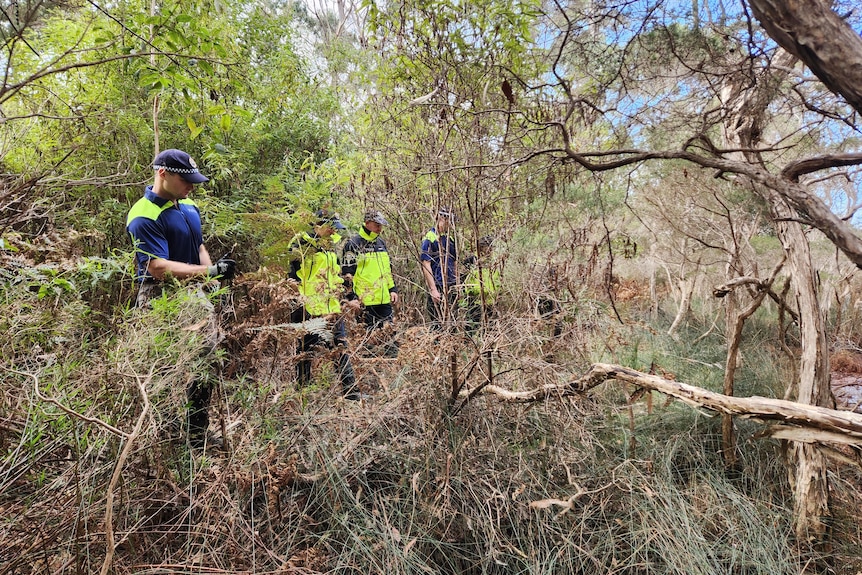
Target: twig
[118, 470]
[65, 409]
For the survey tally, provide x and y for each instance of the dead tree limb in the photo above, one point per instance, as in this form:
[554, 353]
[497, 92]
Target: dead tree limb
[806, 423]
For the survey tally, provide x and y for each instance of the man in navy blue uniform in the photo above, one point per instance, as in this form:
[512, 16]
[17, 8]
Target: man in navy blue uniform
[165, 227]
[439, 259]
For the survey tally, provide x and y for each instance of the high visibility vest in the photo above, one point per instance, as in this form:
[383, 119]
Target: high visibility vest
[373, 279]
[488, 281]
[319, 273]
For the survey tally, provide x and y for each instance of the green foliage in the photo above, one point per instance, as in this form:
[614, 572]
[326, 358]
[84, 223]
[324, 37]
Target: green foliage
[445, 103]
[224, 81]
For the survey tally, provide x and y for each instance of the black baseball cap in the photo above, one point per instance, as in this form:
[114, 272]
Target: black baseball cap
[325, 217]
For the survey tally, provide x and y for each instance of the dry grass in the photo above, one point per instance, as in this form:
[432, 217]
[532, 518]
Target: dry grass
[417, 481]
[846, 361]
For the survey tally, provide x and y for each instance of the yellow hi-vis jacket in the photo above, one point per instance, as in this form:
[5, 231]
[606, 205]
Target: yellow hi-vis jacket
[366, 257]
[319, 274]
[488, 282]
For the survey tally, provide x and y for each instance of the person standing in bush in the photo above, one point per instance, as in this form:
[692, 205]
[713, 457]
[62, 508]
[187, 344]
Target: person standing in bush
[316, 268]
[439, 260]
[480, 285]
[165, 228]
[368, 274]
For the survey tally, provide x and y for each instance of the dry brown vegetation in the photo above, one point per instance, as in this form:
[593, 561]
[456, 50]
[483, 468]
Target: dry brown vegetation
[416, 480]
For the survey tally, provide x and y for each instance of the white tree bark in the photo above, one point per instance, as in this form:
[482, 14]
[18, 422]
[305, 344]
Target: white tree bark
[745, 121]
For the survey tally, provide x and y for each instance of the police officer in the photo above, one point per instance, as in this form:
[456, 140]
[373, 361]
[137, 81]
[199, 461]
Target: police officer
[481, 284]
[316, 268]
[368, 275]
[165, 228]
[439, 260]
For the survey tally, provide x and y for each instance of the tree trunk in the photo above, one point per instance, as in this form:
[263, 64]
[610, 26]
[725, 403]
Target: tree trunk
[745, 121]
[686, 290]
[808, 466]
[814, 33]
[733, 334]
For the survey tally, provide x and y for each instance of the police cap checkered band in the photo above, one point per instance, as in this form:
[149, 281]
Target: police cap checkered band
[179, 162]
[445, 213]
[325, 217]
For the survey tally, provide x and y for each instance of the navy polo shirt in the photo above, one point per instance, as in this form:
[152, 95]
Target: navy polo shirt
[440, 251]
[160, 228]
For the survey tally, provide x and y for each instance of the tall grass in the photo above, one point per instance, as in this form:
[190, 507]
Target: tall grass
[403, 484]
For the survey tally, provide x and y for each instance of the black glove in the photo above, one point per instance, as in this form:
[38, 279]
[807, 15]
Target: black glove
[224, 267]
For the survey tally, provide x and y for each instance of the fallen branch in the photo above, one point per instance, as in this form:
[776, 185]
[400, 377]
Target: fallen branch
[110, 546]
[799, 422]
[318, 326]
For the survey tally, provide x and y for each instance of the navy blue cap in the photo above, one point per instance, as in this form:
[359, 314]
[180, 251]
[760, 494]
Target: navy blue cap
[181, 163]
[327, 218]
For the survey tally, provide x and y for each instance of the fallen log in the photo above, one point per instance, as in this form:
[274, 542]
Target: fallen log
[795, 421]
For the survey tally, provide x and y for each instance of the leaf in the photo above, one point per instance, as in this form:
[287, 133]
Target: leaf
[196, 326]
[410, 545]
[177, 38]
[225, 123]
[194, 129]
[149, 79]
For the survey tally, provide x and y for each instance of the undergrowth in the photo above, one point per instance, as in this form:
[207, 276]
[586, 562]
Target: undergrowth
[410, 482]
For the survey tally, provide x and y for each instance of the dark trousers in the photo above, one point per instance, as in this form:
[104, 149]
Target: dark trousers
[200, 390]
[473, 313]
[377, 317]
[309, 343]
[443, 313]
[199, 394]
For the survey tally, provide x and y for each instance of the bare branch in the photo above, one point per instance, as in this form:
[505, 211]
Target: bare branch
[67, 410]
[793, 170]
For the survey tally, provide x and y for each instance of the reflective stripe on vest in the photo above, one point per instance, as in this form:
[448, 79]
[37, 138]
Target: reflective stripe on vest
[144, 208]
